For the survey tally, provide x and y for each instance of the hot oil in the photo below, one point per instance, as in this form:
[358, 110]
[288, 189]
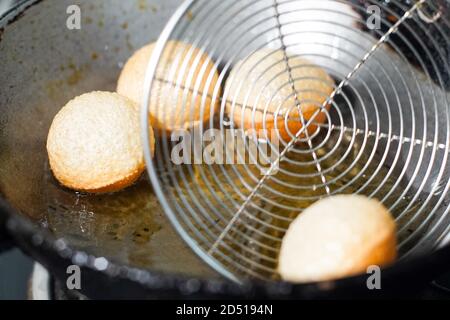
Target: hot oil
[128, 227]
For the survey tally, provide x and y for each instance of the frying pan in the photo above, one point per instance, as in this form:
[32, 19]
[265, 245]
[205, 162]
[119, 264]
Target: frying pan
[124, 244]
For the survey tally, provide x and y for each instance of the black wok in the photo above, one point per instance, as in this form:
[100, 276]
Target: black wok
[123, 242]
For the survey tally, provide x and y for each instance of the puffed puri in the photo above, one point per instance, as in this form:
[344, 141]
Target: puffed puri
[185, 91]
[271, 95]
[337, 237]
[94, 143]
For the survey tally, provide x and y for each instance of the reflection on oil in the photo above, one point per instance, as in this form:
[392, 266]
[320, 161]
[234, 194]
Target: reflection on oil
[128, 227]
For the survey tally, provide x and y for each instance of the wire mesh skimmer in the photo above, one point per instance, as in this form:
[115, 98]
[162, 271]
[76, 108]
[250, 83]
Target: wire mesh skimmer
[385, 134]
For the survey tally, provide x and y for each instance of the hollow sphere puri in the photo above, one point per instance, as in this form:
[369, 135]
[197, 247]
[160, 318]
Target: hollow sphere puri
[183, 86]
[337, 237]
[261, 96]
[94, 143]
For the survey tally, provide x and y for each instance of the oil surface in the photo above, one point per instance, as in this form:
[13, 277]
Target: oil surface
[128, 227]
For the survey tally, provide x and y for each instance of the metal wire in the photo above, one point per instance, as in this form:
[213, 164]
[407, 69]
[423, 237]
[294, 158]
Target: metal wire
[385, 134]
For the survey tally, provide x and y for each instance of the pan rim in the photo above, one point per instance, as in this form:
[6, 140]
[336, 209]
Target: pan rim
[15, 11]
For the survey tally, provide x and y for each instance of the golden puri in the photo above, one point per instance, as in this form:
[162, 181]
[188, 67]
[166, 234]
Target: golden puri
[337, 237]
[261, 98]
[94, 143]
[182, 92]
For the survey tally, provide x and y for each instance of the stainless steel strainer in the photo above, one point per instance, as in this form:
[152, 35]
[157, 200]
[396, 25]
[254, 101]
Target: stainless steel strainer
[385, 135]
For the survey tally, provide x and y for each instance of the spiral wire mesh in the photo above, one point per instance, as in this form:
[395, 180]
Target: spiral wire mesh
[384, 131]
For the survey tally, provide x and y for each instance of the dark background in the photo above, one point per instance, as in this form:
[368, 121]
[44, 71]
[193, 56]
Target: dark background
[15, 270]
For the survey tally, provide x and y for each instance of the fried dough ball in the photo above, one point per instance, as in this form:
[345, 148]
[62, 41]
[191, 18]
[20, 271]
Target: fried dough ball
[337, 237]
[94, 143]
[263, 84]
[184, 73]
